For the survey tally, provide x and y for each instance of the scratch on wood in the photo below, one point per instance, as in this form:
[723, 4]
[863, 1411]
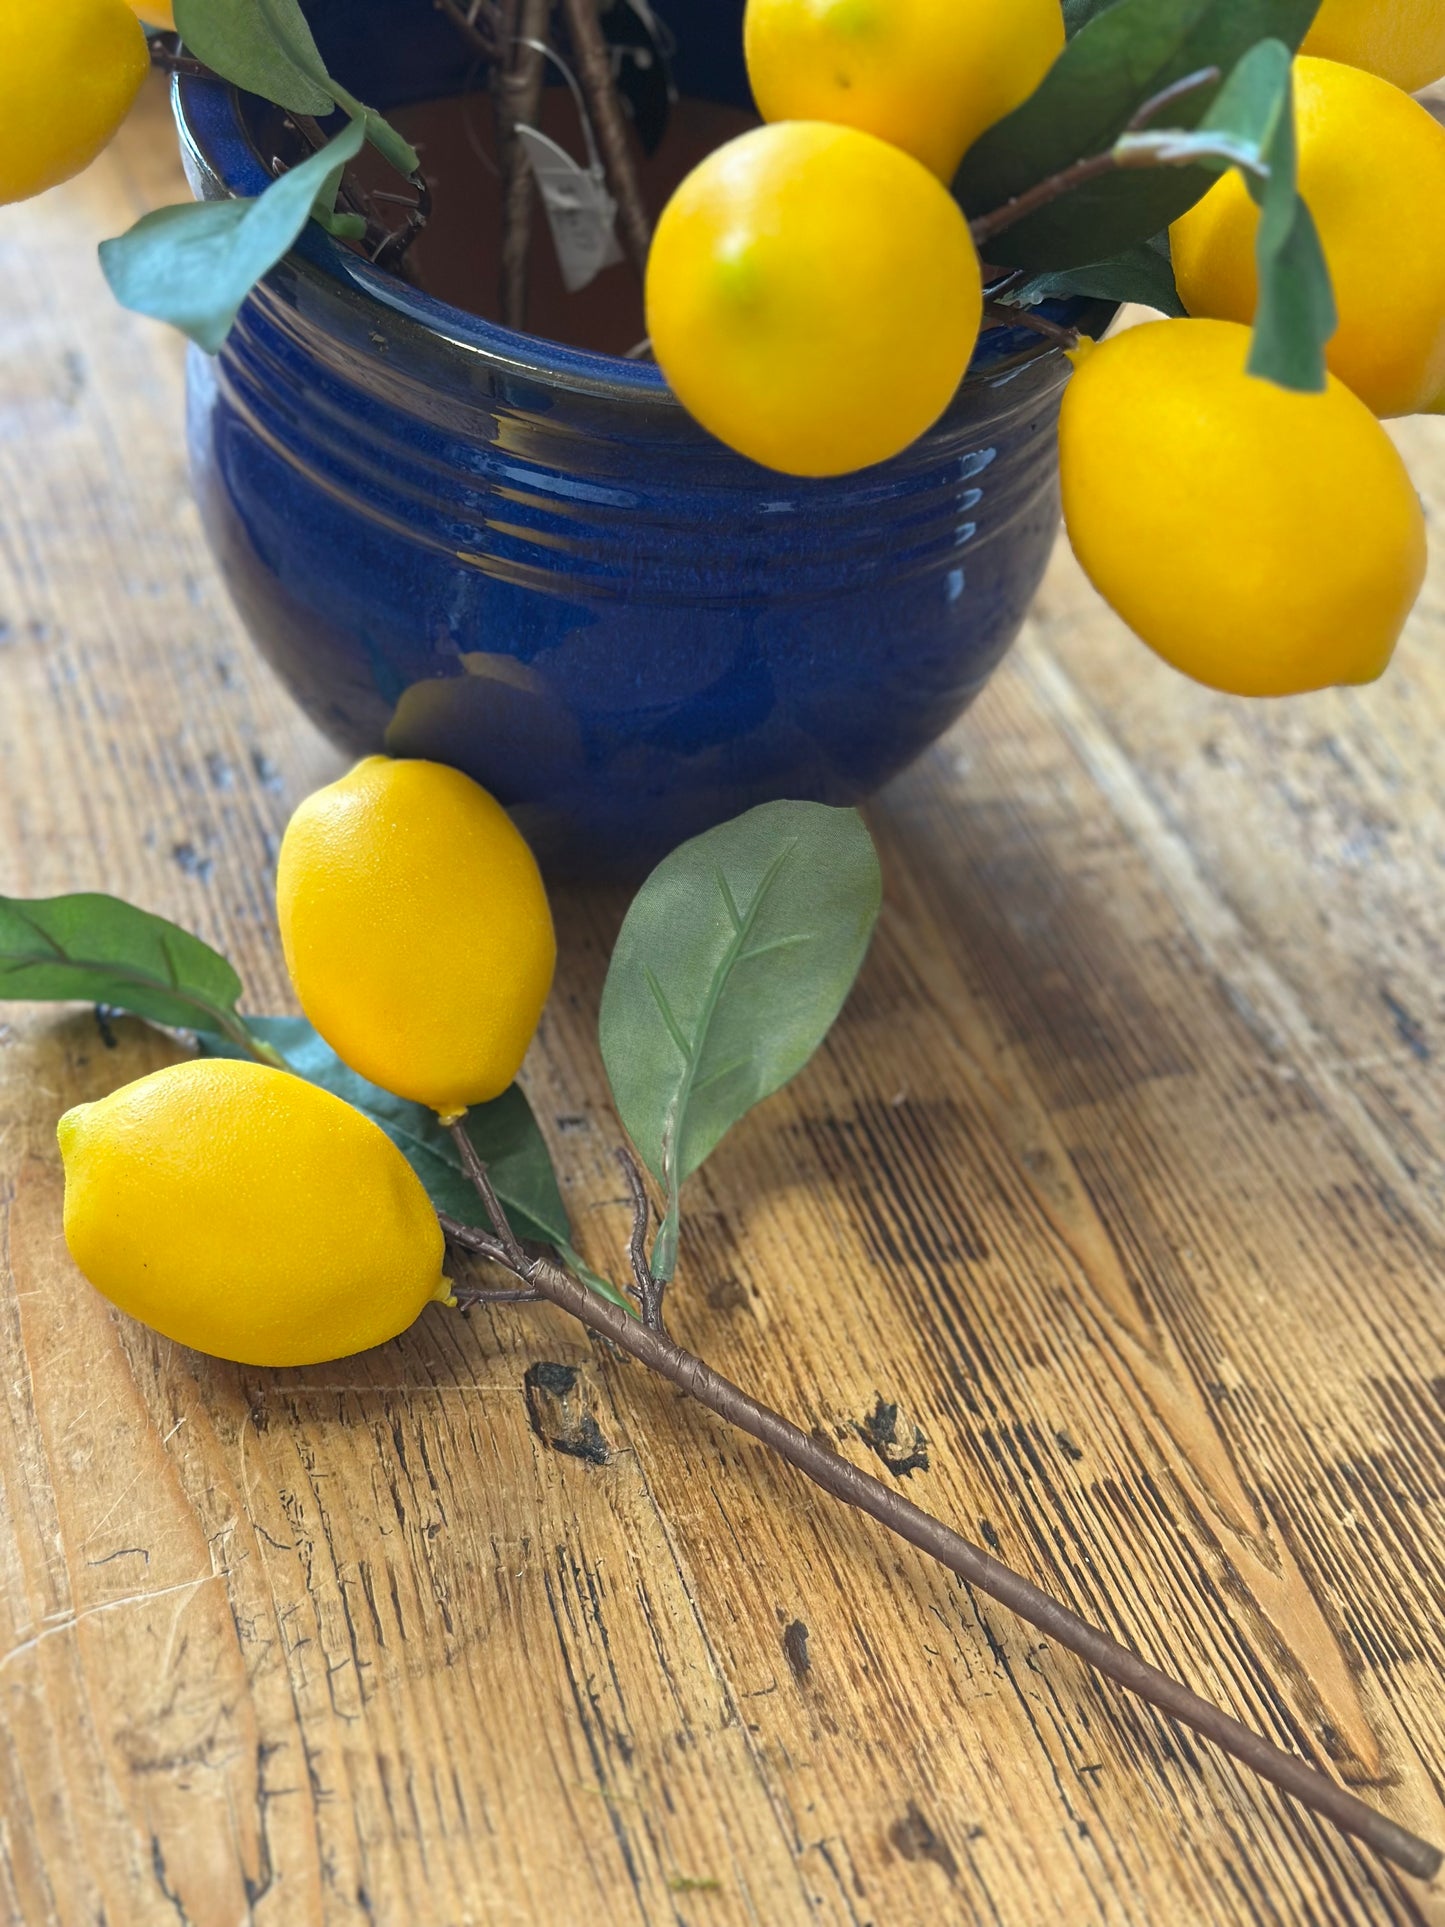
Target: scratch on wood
[795, 1647]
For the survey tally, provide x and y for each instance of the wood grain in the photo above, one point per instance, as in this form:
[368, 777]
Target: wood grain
[1121, 1181]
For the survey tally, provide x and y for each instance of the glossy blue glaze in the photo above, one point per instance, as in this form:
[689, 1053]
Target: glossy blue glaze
[458, 542]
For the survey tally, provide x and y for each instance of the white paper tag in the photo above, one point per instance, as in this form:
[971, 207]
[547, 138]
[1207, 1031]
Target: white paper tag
[580, 212]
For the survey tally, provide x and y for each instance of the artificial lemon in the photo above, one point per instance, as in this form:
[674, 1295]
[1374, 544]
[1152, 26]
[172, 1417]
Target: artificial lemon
[1372, 169]
[1264, 542]
[927, 75]
[416, 930]
[1400, 40]
[69, 73]
[813, 297]
[249, 1214]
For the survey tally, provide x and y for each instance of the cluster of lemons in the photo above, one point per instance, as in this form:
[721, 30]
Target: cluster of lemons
[243, 1211]
[813, 291]
[1277, 544]
[814, 298]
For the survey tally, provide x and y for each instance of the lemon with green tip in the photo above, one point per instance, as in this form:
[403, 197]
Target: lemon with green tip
[813, 297]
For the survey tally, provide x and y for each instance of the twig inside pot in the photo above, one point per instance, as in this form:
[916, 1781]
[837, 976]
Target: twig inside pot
[516, 36]
[481, 25]
[604, 103]
[519, 96]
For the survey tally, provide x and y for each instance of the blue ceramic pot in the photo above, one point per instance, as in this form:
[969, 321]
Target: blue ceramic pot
[458, 542]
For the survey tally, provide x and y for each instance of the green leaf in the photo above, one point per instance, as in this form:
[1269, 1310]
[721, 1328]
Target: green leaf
[731, 966]
[290, 32]
[265, 49]
[1251, 127]
[392, 147]
[1122, 57]
[1296, 314]
[1078, 13]
[346, 227]
[194, 265]
[97, 950]
[504, 1133]
[1142, 274]
[1255, 96]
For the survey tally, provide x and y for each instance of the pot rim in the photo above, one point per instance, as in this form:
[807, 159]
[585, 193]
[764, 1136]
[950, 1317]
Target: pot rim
[216, 141]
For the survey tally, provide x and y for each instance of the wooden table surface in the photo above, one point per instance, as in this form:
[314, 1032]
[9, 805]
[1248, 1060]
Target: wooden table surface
[1121, 1179]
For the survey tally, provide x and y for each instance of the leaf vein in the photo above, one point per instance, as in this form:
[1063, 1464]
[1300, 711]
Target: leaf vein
[674, 1028]
[672, 1134]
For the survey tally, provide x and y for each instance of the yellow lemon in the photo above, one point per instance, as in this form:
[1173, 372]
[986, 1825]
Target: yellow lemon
[155, 13]
[69, 72]
[1372, 168]
[1262, 541]
[1400, 40]
[927, 75]
[416, 930]
[813, 297]
[249, 1214]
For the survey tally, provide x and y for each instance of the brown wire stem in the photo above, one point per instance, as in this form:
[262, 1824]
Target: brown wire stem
[1069, 179]
[1167, 97]
[997, 314]
[1042, 194]
[507, 1240]
[167, 57]
[842, 1480]
[648, 1289]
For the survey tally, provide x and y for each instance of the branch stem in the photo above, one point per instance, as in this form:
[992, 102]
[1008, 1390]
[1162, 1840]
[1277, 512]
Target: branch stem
[518, 97]
[842, 1480]
[1041, 195]
[481, 39]
[167, 57]
[594, 73]
[1167, 96]
[997, 315]
[1081, 173]
[649, 1290]
[507, 1240]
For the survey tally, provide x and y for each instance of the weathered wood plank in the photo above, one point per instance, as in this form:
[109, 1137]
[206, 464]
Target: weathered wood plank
[1121, 1181]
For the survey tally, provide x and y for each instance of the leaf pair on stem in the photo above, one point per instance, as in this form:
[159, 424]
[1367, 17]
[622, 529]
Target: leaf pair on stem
[193, 265]
[1078, 187]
